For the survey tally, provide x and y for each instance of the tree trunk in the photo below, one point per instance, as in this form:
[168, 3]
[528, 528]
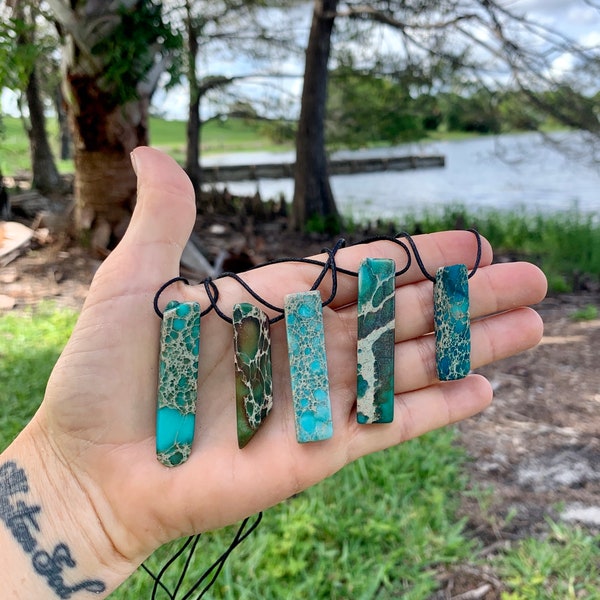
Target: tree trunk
[64, 133]
[104, 134]
[45, 174]
[4, 201]
[313, 202]
[192, 155]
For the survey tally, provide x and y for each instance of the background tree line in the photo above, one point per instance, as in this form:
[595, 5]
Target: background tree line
[460, 65]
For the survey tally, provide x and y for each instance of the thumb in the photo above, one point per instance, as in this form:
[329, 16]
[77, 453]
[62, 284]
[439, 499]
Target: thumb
[164, 214]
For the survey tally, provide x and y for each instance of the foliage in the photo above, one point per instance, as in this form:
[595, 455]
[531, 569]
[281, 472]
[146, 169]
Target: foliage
[128, 50]
[27, 41]
[566, 245]
[16, 59]
[364, 108]
[476, 112]
[587, 313]
[565, 565]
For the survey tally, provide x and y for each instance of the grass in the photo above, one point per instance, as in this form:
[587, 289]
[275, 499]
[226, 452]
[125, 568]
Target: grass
[589, 312]
[377, 529]
[565, 565]
[232, 135]
[31, 342]
[566, 245]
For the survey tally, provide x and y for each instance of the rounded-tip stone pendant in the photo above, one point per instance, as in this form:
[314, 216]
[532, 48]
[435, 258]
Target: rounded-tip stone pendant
[177, 382]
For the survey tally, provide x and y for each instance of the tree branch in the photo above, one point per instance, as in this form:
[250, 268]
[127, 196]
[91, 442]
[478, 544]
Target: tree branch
[374, 14]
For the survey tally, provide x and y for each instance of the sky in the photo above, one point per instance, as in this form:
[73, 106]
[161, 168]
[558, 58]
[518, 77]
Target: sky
[575, 18]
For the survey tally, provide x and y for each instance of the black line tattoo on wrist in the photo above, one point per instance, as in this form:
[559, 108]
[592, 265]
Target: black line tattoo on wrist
[21, 519]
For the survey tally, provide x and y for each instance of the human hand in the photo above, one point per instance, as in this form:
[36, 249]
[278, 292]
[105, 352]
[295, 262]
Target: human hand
[96, 426]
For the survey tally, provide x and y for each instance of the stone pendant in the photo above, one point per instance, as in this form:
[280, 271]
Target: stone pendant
[452, 322]
[177, 382]
[308, 366]
[376, 340]
[253, 377]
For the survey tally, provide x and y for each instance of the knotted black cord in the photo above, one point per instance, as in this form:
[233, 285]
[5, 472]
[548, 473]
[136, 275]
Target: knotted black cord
[158, 578]
[215, 568]
[422, 266]
[162, 288]
[212, 292]
[188, 561]
[218, 565]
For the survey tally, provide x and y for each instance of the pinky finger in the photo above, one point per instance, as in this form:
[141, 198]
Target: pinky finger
[424, 410]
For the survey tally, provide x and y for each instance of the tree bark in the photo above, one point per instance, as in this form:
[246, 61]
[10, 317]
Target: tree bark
[45, 174]
[313, 202]
[192, 155]
[104, 135]
[64, 133]
[4, 201]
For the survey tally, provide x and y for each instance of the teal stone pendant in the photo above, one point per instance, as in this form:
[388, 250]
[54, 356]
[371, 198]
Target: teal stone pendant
[177, 382]
[375, 341]
[308, 366]
[253, 376]
[452, 322]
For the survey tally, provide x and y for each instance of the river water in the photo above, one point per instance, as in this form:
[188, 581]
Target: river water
[508, 172]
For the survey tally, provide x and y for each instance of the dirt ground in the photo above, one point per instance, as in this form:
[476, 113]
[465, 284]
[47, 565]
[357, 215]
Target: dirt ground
[538, 445]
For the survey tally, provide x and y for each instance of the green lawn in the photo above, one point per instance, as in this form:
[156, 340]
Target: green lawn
[232, 135]
[379, 529]
[30, 343]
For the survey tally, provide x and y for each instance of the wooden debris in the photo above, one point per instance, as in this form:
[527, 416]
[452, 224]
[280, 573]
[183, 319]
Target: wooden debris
[14, 241]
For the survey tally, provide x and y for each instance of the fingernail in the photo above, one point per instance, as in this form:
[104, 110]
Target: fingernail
[133, 163]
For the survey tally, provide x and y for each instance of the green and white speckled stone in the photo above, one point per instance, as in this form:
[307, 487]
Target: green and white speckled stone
[375, 342]
[308, 366]
[452, 322]
[253, 376]
[177, 382]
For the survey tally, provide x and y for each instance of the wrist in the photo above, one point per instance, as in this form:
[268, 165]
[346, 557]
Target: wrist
[52, 543]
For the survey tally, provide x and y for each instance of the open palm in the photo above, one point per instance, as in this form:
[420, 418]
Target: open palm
[100, 405]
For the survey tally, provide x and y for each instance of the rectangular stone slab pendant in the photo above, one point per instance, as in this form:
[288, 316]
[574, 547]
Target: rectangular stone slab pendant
[375, 341]
[452, 322]
[177, 382]
[308, 366]
[253, 376]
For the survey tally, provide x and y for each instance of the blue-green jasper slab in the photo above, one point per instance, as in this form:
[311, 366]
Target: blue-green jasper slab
[375, 341]
[177, 382]
[253, 373]
[452, 322]
[308, 366]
